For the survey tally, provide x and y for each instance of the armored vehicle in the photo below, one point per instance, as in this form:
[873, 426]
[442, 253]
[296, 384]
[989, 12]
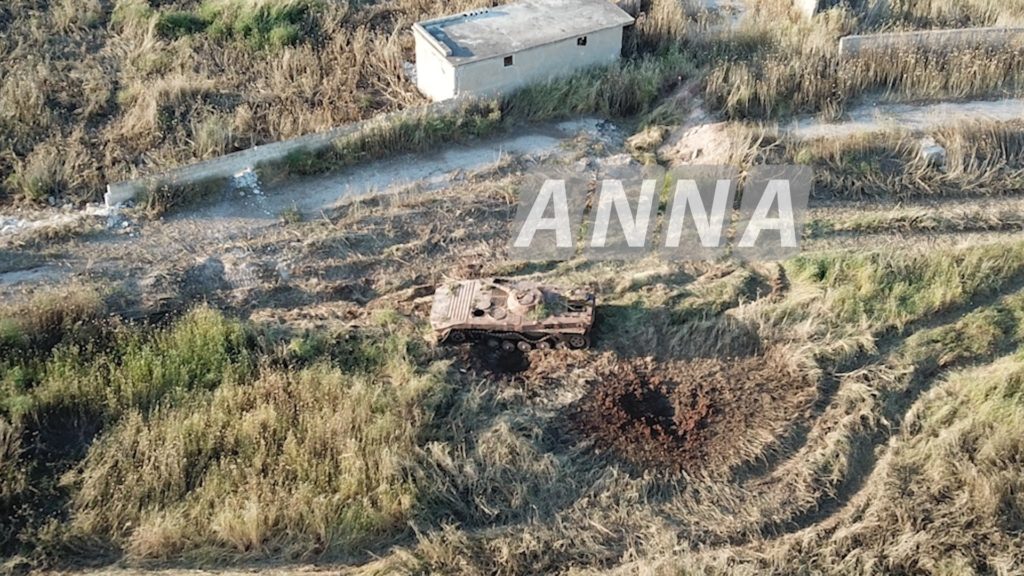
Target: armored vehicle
[511, 314]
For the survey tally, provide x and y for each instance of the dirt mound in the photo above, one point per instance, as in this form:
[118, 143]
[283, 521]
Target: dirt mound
[706, 414]
[705, 144]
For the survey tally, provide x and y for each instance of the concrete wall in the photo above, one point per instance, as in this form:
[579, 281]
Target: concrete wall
[224, 167]
[435, 75]
[491, 77]
[1002, 38]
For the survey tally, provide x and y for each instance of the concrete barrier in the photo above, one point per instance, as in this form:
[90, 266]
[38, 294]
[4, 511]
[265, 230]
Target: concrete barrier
[224, 167]
[938, 40]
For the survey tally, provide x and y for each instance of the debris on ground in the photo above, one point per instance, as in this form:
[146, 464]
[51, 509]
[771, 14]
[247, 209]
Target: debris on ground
[52, 223]
[648, 140]
[932, 153]
[247, 182]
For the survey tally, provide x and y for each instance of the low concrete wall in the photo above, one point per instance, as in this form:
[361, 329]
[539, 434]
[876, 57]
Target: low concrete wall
[1004, 38]
[224, 167]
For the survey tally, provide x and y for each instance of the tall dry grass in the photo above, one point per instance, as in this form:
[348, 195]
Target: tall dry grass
[774, 64]
[983, 158]
[143, 91]
[908, 14]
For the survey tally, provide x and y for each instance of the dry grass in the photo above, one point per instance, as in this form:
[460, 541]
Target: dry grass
[775, 65]
[920, 220]
[906, 14]
[983, 159]
[109, 77]
[225, 441]
[210, 440]
[137, 88]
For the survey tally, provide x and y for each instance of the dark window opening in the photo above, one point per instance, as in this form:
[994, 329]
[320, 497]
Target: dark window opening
[508, 61]
[581, 41]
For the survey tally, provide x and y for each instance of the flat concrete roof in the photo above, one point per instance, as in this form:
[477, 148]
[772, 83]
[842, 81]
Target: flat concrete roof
[504, 30]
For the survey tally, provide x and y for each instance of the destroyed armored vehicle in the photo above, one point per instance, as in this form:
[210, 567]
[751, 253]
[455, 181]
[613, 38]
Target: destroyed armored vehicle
[511, 314]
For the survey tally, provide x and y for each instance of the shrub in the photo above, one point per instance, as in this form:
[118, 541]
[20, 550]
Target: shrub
[260, 23]
[179, 23]
[39, 176]
[622, 89]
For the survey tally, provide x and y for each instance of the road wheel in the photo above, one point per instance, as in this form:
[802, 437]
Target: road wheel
[493, 343]
[578, 342]
[508, 346]
[524, 346]
[544, 345]
[457, 337]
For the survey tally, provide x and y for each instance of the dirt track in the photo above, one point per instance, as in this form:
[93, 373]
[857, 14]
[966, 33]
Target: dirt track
[871, 118]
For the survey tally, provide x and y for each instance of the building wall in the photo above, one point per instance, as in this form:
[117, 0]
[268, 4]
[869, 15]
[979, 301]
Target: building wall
[489, 77]
[435, 75]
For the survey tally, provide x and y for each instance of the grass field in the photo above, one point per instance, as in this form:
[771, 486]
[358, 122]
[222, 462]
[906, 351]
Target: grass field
[209, 439]
[273, 398]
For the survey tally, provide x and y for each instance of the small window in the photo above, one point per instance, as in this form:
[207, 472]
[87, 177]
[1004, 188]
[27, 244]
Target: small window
[509, 61]
[581, 41]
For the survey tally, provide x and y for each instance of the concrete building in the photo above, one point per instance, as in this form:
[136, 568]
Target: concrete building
[496, 50]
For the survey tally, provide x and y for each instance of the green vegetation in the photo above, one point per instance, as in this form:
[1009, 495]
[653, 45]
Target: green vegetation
[955, 466]
[626, 89]
[259, 23]
[85, 86]
[178, 23]
[619, 90]
[321, 427]
[162, 198]
[888, 291]
[205, 438]
[209, 440]
[920, 220]
[344, 64]
[403, 132]
[291, 215]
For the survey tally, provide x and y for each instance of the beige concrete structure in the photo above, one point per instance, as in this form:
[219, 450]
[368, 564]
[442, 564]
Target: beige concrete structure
[496, 50]
[939, 40]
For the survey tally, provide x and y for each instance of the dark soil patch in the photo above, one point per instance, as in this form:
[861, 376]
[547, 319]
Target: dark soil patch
[702, 415]
[494, 362]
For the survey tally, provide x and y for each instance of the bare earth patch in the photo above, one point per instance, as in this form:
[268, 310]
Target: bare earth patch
[699, 415]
